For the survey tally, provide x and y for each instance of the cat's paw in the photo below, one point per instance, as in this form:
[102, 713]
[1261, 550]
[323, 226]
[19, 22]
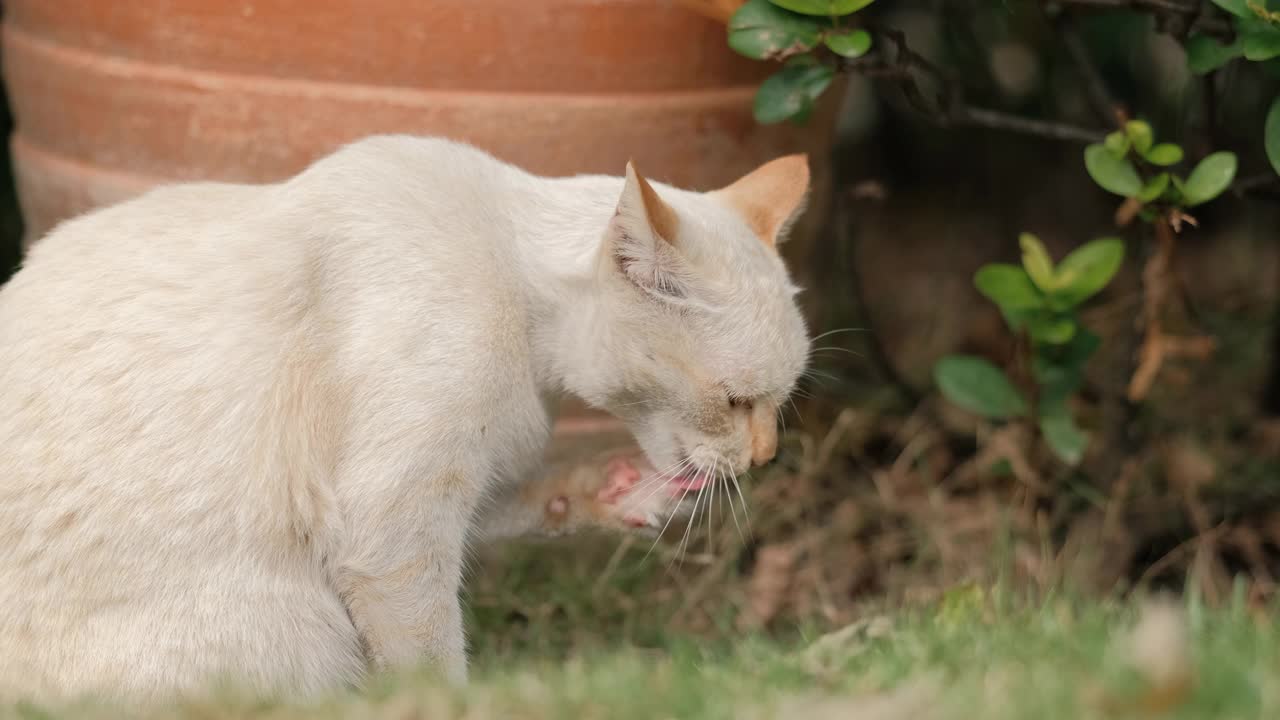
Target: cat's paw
[635, 497]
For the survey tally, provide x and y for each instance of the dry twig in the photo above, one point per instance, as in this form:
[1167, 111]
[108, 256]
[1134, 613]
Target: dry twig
[1157, 347]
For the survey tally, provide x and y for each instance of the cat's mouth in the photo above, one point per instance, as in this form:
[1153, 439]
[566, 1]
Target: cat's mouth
[690, 480]
[691, 477]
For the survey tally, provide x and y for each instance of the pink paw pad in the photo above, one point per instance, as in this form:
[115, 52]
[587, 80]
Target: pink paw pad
[620, 477]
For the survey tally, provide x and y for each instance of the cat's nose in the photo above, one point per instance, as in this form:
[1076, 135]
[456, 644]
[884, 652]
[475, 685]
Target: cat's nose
[764, 434]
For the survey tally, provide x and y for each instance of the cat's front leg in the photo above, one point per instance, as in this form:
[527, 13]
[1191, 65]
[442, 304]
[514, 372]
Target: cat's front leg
[400, 573]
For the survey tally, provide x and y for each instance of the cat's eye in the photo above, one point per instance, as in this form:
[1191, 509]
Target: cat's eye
[739, 402]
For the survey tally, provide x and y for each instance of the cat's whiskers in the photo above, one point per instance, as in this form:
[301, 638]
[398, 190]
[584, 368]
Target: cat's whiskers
[746, 512]
[642, 401]
[814, 374]
[656, 483]
[679, 554]
[670, 517]
[792, 401]
[667, 524]
[710, 491]
[697, 500]
[662, 476]
[711, 509]
[695, 517]
[837, 331]
[733, 510]
[833, 348]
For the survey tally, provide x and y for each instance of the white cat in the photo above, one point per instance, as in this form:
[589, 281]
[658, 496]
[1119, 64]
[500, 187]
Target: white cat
[245, 430]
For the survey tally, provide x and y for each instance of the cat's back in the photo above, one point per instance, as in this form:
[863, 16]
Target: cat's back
[198, 262]
[191, 301]
[180, 242]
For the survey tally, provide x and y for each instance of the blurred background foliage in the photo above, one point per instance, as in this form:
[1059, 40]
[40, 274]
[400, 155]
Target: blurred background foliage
[962, 180]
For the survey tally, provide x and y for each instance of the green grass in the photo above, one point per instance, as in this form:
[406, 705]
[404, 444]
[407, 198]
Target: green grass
[968, 658]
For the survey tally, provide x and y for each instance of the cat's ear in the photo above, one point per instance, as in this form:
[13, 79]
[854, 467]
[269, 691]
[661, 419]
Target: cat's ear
[771, 197]
[642, 240]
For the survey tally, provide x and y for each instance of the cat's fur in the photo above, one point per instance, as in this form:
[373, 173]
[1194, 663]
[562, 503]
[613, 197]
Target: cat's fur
[245, 430]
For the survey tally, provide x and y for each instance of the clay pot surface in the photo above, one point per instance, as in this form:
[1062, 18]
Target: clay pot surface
[113, 97]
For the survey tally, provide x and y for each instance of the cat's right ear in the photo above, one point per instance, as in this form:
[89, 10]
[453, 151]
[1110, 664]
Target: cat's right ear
[642, 240]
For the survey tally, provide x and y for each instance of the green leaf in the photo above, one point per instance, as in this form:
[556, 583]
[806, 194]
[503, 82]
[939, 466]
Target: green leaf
[1081, 348]
[1064, 437]
[1051, 330]
[790, 92]
[1060, 370]
[1239, 8]
[824, 8]
[850, 44]
[1140, 134]
[1204, 54]
[1088, 269]
[1036, 260]
[1164, 154]
[1057, 383]
[1271, 135]
[978, 386]
[1213, 175]
[762, 31]
[1064, 365]
[1118, 143]
[1262, 43]
[1016, 319]
[1154, 188]
[1008, 286]
[1113, 174]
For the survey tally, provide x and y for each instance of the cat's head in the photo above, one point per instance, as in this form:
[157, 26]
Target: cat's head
[704, 340]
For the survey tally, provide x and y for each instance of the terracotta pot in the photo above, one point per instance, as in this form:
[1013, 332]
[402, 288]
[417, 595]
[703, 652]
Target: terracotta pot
[113, 97]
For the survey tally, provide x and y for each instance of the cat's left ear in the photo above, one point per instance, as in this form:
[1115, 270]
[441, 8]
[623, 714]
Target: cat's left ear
[642, 240]
[770, 197]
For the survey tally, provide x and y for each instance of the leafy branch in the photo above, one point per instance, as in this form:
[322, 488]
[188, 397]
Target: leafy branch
[822, 39]
[949, 108]
[817, 39]
[1131, 164]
